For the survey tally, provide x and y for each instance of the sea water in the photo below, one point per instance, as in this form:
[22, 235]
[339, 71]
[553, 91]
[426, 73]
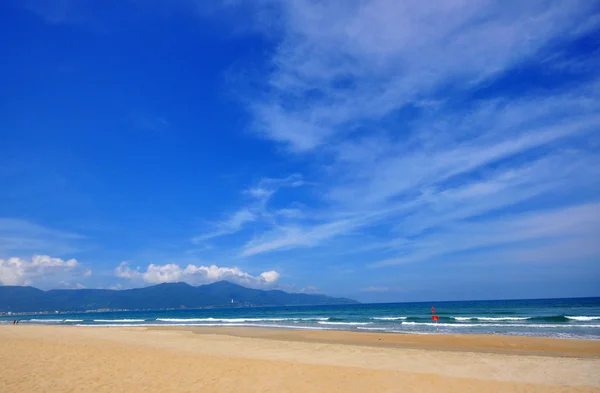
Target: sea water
[563, 318]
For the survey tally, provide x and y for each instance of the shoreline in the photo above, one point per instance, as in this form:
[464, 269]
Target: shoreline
[117, 359]
[125, 323]
[483, 343]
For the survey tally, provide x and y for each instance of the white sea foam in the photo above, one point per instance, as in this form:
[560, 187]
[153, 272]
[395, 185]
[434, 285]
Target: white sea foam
[372, 328]
[389, 318]
[584, 319]
[210, 325]
[490, 319]
[34, 320]
[462, 325]
[183, 320]
[45, 320]
[345, 323]
[234, 320]
[119, 320]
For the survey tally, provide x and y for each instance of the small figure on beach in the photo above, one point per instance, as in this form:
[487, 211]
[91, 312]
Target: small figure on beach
[14, 321]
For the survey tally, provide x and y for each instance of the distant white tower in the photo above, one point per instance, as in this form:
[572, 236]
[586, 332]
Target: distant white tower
[231, 301]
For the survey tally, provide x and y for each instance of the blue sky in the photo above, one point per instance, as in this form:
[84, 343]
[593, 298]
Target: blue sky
[380, 150]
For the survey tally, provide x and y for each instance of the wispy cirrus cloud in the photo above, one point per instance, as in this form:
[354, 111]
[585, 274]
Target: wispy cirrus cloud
[341, 64]
[575, 226]
[426, 129]
[256, 208]
[404, 108]
[426, 187]
[291, 236]
[22, 237]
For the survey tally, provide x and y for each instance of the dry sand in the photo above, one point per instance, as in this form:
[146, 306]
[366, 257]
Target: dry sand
[76, 359]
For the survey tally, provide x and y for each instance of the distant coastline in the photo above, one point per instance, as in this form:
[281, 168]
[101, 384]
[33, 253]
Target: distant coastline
[166, 296]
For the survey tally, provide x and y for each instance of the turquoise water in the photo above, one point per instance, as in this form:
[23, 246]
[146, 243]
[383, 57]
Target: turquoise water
[565, 318]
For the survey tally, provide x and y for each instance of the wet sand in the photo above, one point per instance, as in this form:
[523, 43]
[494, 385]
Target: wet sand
[77, 359]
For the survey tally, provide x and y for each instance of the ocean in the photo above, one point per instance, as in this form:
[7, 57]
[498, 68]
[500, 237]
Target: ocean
[562, 318]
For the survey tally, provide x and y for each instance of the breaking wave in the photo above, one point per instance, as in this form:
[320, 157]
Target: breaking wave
[119, 320]
[236, 320]
[583, 319]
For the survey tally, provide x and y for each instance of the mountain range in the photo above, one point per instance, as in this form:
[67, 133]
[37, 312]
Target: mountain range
[156, 297]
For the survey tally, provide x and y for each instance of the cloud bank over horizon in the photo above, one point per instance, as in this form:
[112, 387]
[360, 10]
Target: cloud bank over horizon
[41, 269]
[195, 275]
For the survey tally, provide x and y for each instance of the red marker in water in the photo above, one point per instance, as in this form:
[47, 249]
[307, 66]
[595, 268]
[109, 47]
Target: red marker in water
[432, 310]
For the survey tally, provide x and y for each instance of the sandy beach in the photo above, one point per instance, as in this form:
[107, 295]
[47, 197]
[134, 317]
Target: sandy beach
[75, 359]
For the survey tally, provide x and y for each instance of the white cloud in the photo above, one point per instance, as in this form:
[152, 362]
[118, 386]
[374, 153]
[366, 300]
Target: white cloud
[70, 285]
[289, 213]
[196, 275]
[257, 208]
[342, 62]
[311, 290]
[234, 223]
[572, 230]
[40, 268]
[270, 277]
[344, 72]
[386, 102]
[287, 237]
[124, 271]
